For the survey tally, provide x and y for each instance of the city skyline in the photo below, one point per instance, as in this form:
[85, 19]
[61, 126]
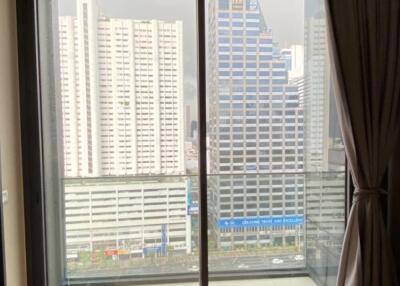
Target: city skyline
[125, 115]
[172, 10]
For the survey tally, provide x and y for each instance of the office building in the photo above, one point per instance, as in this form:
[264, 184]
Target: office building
[255, 127]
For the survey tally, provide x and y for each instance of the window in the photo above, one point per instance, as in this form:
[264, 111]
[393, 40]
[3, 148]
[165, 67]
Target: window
[121, 137]
[223, 4]
[276, 114]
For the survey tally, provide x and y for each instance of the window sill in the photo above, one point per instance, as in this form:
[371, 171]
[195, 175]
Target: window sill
[291, 281]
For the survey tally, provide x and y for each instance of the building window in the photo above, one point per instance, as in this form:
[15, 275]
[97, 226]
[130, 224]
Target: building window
[223, 4]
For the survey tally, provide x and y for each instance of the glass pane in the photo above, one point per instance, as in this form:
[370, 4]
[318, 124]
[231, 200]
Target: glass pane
[127, 138]
[324, 153]
[276, 162]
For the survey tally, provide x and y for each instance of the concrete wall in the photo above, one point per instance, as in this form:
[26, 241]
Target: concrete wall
[10, 147]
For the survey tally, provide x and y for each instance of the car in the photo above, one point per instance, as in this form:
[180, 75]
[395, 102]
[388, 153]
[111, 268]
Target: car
[299, 257]
[277, 261]
[194, 268]
[243, 266]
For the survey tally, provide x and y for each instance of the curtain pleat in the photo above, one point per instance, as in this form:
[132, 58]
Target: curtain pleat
[364, 38]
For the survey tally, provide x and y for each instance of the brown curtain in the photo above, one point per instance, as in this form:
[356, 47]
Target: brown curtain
[394, 209]
[365, 48]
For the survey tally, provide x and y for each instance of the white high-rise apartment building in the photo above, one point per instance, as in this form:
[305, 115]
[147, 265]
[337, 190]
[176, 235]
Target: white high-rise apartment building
[122, 94]
[122, 111]
[316, 94]
[324, 155]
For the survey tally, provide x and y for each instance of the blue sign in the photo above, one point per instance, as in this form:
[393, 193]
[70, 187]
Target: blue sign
[193, 208]
[160, 249]
[188, 195]
[260, 221]
[163, 239]
[150, 250]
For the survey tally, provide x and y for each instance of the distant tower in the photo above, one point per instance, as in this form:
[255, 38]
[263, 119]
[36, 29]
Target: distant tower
[324, 155]
[316, 93]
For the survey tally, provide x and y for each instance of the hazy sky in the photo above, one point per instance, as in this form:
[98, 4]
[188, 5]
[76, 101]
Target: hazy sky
[285, 17]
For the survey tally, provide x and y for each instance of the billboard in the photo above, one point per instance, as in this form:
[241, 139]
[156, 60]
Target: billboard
[261, 221]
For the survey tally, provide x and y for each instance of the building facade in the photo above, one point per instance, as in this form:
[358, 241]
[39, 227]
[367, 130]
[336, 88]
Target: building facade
[122, 115]
[122, 95]
[136, 217]
[255, 131]
[316, 94]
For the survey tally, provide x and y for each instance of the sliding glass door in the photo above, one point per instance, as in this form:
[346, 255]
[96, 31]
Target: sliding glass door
[276, 162]
[188, 141]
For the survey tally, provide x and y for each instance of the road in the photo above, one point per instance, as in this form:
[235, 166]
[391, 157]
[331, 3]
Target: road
[216, 264]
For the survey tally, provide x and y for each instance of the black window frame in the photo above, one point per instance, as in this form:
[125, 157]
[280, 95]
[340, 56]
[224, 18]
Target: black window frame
[32, 112]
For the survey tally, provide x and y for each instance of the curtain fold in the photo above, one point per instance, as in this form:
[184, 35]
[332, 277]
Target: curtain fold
[364, 40]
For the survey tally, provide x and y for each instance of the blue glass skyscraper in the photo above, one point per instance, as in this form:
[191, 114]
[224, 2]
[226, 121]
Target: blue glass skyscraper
[255, 133]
